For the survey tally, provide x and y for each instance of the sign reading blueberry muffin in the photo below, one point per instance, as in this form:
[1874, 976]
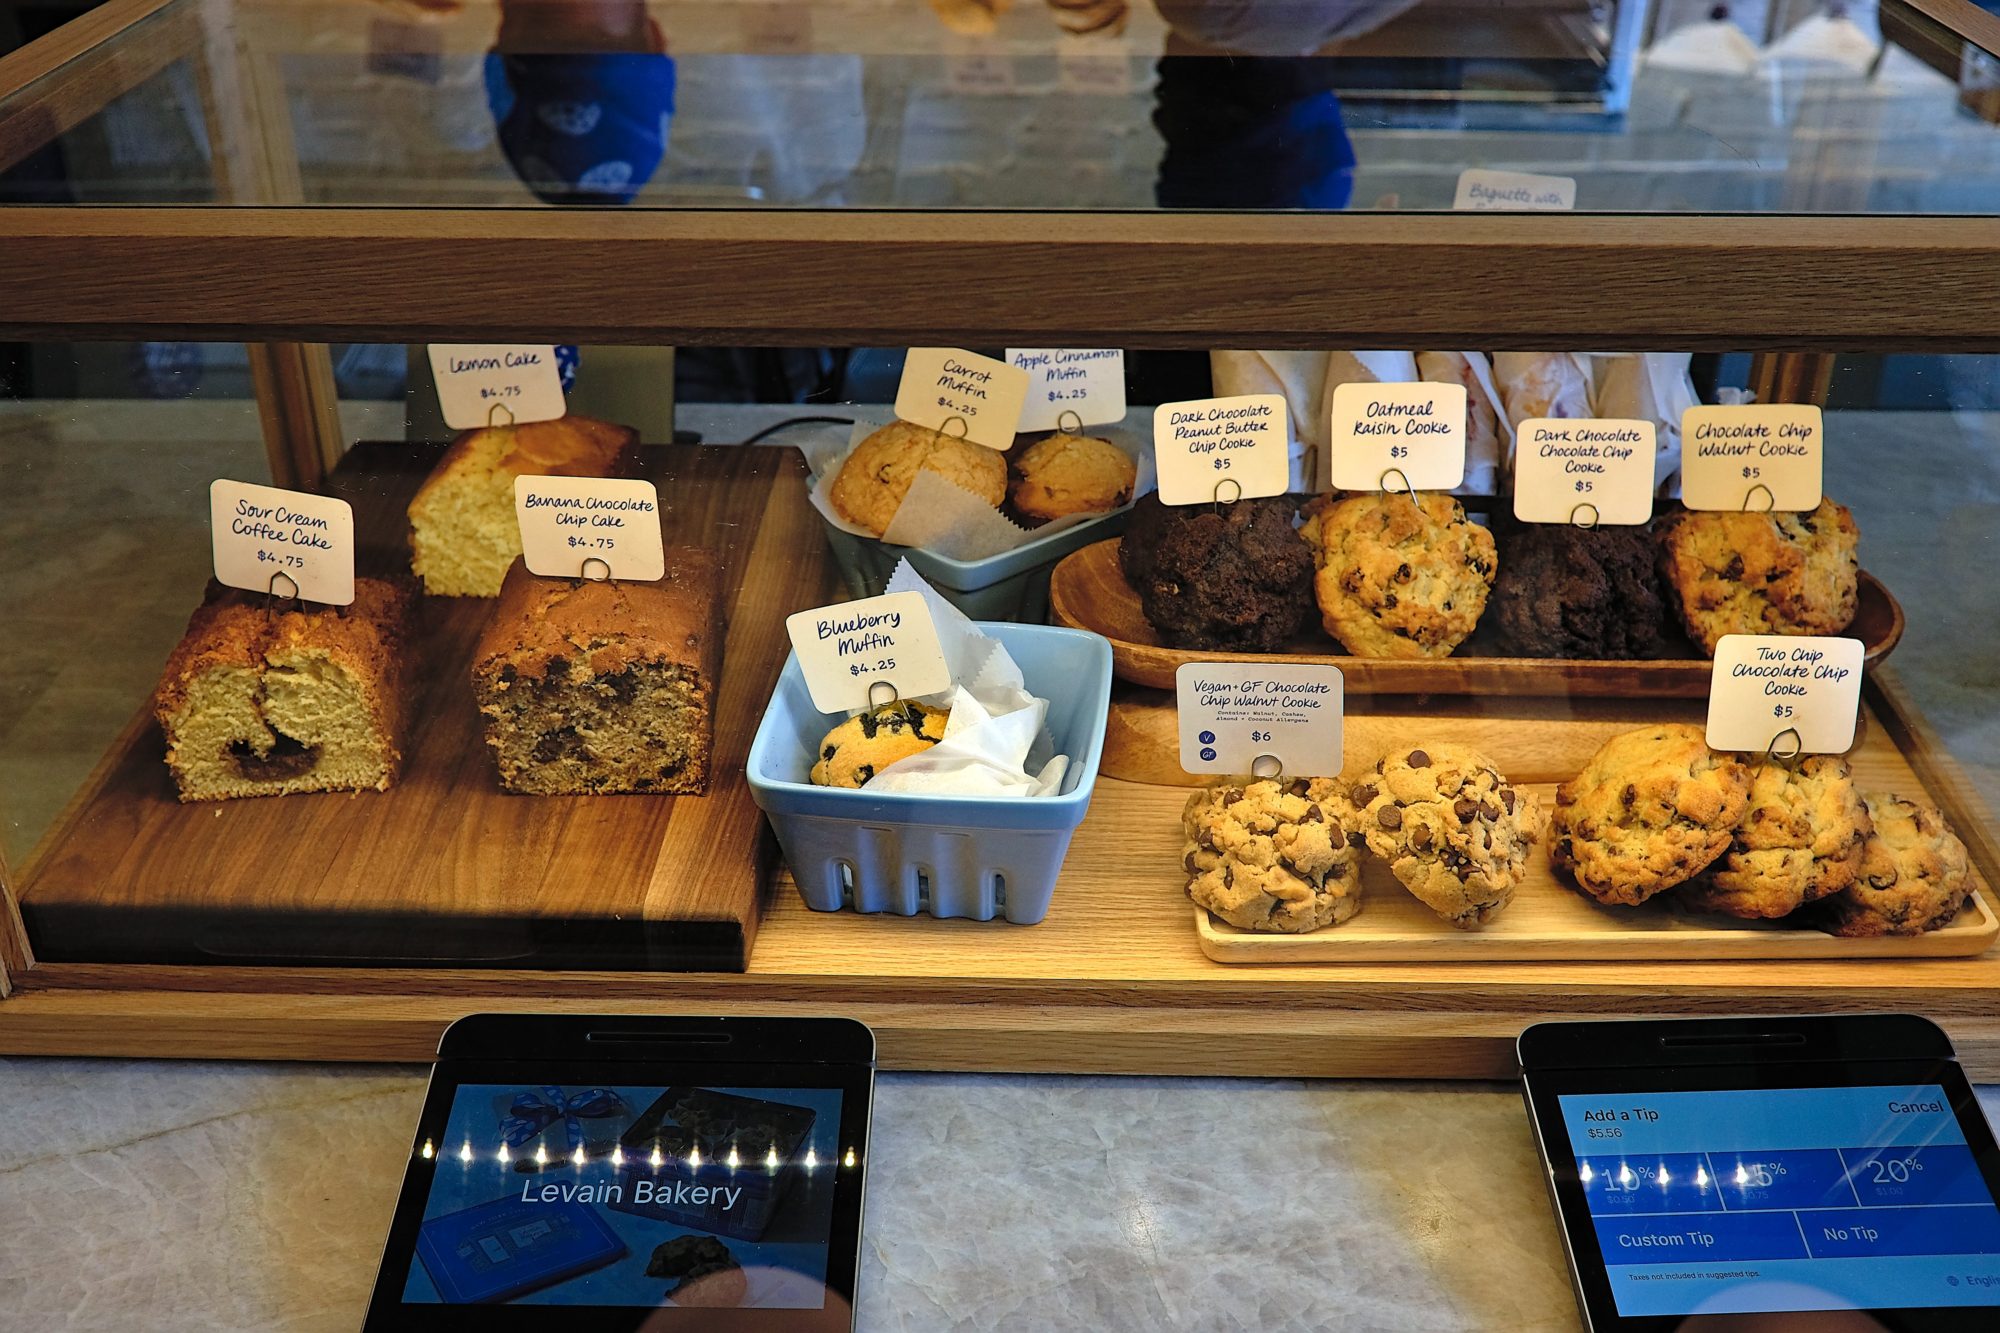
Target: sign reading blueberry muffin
[1403, 575]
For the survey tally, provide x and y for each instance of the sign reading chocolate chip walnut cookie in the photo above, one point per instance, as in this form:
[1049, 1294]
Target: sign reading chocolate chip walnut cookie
[1258, 718]
[1754, 456]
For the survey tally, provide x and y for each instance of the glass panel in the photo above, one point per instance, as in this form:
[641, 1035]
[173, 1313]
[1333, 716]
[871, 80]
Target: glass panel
[1782, 106]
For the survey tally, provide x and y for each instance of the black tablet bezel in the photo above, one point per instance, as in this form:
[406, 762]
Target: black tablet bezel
[1752, 1073]
[736, 1053]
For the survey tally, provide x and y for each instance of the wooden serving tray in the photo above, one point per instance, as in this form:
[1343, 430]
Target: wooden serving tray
[444, 869]
[1549, 921]
[1087, 590]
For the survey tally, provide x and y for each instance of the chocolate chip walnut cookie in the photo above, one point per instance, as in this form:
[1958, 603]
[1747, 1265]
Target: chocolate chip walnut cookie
[1651, 809]
[1914, 874]
[869, 742]
[1450, 827]
[1398, 575]
[1800, 839]
[1761, 572]
[1271, 855]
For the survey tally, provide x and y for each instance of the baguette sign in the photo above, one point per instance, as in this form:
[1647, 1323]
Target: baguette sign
[496, 384]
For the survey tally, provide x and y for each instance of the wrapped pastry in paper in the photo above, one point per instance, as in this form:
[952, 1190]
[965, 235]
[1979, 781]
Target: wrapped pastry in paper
[996, 741]
[944, 519]
[1647, 386]
[1299, 376]
[1483, 422]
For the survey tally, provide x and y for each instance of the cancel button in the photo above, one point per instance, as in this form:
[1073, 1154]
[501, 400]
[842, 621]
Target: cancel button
[1916, 1108]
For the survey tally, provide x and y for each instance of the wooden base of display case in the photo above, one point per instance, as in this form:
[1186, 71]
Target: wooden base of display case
[1113, 982]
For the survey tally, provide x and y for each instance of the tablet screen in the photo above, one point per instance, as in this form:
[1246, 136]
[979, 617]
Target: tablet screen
[1777, 1199]
[630, 1196]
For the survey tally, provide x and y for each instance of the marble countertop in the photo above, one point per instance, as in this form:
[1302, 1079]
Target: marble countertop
[172, 1196]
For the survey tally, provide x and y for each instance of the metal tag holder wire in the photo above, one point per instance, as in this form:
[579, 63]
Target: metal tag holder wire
[1787, 760]
[964, 427]
[499, 407]
[1069, 414]
[895, 695]
[1216, 495]
[1579, 507]
[1770, 500]
[1275, 771]
[584, 571]
[1407, 489]
[275, 602]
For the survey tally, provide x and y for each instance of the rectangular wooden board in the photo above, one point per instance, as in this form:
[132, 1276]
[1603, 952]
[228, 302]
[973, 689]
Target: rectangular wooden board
[444, 869]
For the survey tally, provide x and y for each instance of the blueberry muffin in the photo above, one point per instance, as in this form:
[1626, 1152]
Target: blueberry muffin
[1451, 828]
[1235, 576]
[1800, 839]
[1271, 855]
[1761, 573]
[880, 470]
[1914, 877]
[1063, 474]
[869, 742]
[1651, 809]
[1399, 575]
[1566, 591]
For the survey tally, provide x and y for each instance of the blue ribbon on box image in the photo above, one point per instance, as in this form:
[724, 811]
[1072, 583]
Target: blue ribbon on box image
[531, 1113]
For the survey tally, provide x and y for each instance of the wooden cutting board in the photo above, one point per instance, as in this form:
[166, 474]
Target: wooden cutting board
[445, 869]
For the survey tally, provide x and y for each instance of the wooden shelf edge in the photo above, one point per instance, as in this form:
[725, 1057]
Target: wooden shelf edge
[1268, 1041]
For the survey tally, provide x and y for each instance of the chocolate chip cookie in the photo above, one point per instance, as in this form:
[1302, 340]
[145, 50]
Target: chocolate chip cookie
[1761, 573]
[1235, 576]
[1651, 809]
[869, 742]
[1399, 575]
[1271, 855]
[1566, 591]
[1800, 839]
[1914, 876]
[1450, 827]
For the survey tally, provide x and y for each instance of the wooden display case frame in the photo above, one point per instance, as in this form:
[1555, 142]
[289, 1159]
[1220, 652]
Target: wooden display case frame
[289, 279]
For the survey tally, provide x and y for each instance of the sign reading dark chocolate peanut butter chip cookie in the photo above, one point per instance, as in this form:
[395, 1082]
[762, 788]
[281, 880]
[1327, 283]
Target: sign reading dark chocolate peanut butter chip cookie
[1260, 719]
[1212, 450]
[871, 651]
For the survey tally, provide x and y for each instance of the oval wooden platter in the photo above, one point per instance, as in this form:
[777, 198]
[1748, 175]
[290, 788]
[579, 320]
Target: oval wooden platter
[1088, 591]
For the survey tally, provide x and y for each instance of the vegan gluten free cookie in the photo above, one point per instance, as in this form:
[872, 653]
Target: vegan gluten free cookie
[1450, 826]
[1271, 855]
[1761, 572]
[1800, 839]
[1399, 575]
[1651, 809]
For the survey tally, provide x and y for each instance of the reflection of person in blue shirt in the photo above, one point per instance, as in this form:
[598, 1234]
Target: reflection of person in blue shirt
[583, 94]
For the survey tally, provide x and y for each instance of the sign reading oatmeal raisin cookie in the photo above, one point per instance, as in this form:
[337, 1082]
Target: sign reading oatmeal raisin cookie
[1259, 718]
[1222, 449]
[962, 393]
[873, 651]
[590, 527]
[1784, 695]
[1754, 456]
[1396, 437]
[287, 543]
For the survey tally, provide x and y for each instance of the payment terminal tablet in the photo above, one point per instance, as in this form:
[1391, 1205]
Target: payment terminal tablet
[607, 1173]
[1767, 1173]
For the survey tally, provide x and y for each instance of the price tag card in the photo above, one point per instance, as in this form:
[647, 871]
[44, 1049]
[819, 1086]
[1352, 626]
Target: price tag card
[491, 384]
[1482, 191]
[590, 527]
[1417, 429]
[943, 387]
[1204, 444]
[1764, 684]
[1089, 382]
[1586, 470]
[846, 649]
[1727, 453]
[1234, 713]
[261, 533]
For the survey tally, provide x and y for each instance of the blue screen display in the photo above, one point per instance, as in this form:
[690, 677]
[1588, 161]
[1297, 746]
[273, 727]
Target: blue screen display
[1785, 1199]
[631, 1196]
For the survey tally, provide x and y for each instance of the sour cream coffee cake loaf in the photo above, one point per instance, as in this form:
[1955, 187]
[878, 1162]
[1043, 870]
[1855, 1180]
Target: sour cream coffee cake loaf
[262, 701]
[463, 533]
[595, 686]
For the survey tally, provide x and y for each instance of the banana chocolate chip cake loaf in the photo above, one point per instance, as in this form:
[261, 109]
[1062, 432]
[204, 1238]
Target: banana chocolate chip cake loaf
[594, 686]
[258, 700]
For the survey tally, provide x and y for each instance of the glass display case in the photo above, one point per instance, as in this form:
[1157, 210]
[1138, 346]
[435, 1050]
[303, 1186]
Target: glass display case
[229, 229]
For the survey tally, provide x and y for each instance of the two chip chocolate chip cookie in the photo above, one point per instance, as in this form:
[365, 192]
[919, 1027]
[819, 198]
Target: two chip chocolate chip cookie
[1268, 855]
[1800, 839]
[1914, 874]
[1399, 575]
[1450, 827]
[1651, 809]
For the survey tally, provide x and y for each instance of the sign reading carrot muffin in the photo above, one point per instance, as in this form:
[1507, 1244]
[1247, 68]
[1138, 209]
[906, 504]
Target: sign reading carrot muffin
[961, 393]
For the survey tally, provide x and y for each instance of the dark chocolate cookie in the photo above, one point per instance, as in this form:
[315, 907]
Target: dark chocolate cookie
[1579, 592]
[1234, 576]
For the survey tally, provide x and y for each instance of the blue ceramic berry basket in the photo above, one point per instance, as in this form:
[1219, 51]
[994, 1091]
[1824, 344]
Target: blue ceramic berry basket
[948, 856]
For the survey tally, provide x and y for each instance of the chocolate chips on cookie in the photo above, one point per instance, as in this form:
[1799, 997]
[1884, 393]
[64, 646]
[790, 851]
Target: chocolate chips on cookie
[1453, 830]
